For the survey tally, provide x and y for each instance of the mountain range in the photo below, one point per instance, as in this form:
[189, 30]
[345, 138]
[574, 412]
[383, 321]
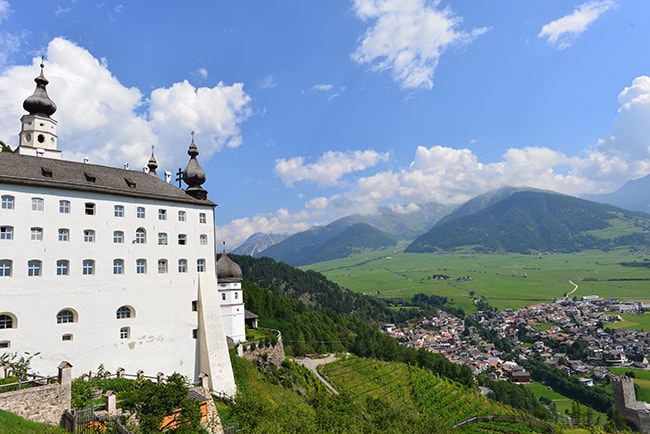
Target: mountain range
[510, 219]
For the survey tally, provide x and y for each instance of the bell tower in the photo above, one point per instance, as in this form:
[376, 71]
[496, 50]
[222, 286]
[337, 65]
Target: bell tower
[38, 130]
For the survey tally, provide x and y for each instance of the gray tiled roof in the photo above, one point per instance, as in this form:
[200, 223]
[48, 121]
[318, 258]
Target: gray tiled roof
[69, 175]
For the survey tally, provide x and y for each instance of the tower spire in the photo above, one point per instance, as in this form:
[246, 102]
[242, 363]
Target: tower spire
[194, 175]
[38, 130]
[153, 164]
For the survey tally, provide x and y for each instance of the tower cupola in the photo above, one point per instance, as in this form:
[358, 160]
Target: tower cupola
[39, 102]
[38, 130]
[153, 164]
[194, 175]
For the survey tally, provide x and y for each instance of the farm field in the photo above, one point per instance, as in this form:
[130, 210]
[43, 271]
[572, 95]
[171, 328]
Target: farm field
[431, 395]
[506, 280]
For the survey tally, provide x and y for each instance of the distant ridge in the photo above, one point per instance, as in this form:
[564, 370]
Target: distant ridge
[257, 242]
[353, 234]
[633, 195]
[530, 221]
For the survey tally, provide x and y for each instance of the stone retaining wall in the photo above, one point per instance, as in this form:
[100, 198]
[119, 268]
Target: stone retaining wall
[44, 404]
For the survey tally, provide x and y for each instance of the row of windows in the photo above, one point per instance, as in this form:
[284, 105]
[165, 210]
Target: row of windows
[36, 234]
[38, 204]
[35, 267]
[64, 316]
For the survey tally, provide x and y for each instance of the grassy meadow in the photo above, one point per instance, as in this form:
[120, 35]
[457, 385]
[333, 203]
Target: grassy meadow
[506, 280]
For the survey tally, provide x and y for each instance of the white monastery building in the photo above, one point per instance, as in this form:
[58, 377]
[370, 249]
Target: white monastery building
[103, 265]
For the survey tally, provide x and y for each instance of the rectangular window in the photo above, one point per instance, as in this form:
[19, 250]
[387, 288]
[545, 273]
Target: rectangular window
[62, 267]
[125, 332]
[37, 234]
[181, 216]
[89, 236]
[34, 268]
[118, 266]
[90, 208]
[64, 234]
[203, 239]
[6, 233]
[195, 305]
[200, 265]
[140, 212]
[7, 202]
[182, 239]
[202, 218]
[162, 214]
[141, 266]
[118, 210]
[162, 238]
[162, 266]
[37, 204]
[88, 267]
[64, 206]
[223, 296]
[5, 268]
[182, 265]
[118, 237]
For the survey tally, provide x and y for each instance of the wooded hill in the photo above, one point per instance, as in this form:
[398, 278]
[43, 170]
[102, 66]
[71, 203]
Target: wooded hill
[536, 221]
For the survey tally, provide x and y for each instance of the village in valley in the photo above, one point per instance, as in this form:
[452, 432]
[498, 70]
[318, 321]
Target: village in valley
[535, 330]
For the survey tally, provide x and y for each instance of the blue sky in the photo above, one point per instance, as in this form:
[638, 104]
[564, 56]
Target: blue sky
[306, 111]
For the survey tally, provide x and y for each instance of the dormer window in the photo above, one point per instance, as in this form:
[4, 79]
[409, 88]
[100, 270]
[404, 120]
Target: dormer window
[46, 172]
[129, 183]
[90, 177]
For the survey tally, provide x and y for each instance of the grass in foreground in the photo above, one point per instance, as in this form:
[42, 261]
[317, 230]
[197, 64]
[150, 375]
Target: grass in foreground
[12, 424]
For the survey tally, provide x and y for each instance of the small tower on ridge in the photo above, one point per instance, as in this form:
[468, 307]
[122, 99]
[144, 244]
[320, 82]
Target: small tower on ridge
[38, 130]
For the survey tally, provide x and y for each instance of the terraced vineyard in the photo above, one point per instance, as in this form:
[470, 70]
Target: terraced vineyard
[406, 386]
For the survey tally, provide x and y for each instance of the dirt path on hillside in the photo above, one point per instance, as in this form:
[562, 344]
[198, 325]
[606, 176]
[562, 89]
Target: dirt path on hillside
[313, 364]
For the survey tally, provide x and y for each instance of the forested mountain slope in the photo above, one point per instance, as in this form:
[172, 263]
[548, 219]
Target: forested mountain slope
[529, 221]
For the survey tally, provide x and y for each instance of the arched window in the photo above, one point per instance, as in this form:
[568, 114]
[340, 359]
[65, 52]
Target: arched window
[5, 268]
[162, 266]
[7, 201]
[66, 316]
[118, 266]
[88, 267]
[64, 206]
[6, 232]
[124, 312]
[34, 268]
[182, 265]
[140, 236]
[141, 266]
[7, 321]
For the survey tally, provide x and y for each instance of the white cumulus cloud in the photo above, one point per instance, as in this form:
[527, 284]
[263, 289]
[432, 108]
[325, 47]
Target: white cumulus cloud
[563, 32]
[407, 37]
[329, 169]
[112, 124]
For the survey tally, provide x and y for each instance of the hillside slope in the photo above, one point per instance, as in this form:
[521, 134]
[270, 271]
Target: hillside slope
[336, 240]
[528, 221]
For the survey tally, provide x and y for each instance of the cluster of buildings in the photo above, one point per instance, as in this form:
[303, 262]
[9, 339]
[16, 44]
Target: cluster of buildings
[110, 266]
[530, 331]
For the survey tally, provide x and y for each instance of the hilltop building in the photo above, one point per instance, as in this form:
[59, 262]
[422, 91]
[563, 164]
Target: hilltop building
[103, 265]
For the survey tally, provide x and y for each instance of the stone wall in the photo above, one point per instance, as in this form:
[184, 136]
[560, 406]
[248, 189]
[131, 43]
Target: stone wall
[625, 401]
[273, 354]
[44, 404]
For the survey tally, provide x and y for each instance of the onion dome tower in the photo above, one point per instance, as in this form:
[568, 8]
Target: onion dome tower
[231, 297]
[194, 175]
[38, 130]
[227, 269]
[153, 164]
